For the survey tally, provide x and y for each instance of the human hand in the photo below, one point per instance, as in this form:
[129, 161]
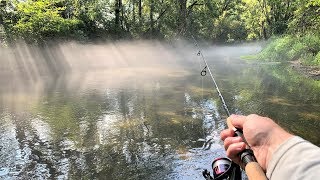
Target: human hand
[262, 134]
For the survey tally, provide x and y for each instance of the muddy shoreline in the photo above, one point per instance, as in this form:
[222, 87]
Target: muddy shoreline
[312, 72]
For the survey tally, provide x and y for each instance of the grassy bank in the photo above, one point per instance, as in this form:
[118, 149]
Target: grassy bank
[305, 48]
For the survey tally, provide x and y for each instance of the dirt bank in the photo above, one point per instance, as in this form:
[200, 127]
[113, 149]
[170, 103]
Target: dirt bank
[309, 71]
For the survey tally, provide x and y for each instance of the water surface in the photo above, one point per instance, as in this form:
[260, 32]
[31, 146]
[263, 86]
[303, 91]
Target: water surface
[136, 110]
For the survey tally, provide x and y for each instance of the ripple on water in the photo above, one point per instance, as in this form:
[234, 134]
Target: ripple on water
[4, 171]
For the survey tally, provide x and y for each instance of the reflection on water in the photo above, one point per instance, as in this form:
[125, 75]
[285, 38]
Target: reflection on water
[135, 111]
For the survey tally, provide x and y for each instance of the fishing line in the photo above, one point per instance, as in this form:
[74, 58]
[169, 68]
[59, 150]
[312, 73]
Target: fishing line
[204, 73]
[202, 102]
[201, 79]
[247, 155]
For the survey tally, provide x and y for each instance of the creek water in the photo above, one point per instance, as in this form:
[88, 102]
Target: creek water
[136, 110]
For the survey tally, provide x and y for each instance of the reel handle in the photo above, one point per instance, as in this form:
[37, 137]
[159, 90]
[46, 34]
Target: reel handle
[251, 166]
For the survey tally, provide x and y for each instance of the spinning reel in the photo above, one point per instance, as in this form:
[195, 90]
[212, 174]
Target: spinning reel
[223, 169]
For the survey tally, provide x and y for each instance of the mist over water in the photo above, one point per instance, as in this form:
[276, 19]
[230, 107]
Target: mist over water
[31, 64]
[135, 110]
[37, 70]
[38, 85]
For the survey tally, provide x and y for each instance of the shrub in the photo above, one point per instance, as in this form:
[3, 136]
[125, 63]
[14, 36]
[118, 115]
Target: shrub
[289, 48]
[41, 20]
[307, 59]
[278, 49]
[316, 60]
[296, 51]
[312, 42]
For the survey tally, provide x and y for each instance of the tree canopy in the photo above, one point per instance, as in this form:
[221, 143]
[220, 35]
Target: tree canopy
[213, 20]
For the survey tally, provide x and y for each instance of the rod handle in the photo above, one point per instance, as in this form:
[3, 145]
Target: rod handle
[255, 172]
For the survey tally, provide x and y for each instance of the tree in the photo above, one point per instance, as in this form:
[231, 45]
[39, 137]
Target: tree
[306, 17]
[151, 17]
[255, 17]
[41, 20]
[213, 20]
[7, 19]
[118, 10]
[182, 18]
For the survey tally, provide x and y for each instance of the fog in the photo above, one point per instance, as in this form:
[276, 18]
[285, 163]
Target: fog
[26, 64]
[29, 71]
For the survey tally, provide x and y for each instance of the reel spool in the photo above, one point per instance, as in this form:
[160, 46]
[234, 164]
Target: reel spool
[220, 166]
[223, 169]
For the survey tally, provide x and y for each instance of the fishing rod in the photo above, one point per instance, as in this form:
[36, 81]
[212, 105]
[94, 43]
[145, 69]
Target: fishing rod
[224, 104]
[223, 168]
[204, 73]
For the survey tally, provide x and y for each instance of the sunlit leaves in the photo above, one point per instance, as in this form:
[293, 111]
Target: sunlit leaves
[254, 19]
[213, 20]
[306, 17]
[38, 20]
[314, 2]
[288, 48]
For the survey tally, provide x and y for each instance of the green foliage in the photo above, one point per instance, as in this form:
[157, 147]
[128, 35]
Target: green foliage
[317, 59]
[312, 41]
[277, 49]
[229, 27]
[305, 18]
[305, 48]
[40, 20]
[211, 20]
[307, 58]
[253, 18]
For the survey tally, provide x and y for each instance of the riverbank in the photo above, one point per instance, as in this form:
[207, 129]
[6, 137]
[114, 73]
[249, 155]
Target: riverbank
[308, 71]
[301, 52]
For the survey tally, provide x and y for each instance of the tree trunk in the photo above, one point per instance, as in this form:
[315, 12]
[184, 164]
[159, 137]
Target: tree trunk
[133, 11]
[159, 22]
[7, 37]
[264, 31]
[151, 17]
[140, 11]
[182, 21]
[118, 7]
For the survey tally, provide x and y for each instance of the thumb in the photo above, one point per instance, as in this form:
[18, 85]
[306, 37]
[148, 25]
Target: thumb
[236, 121]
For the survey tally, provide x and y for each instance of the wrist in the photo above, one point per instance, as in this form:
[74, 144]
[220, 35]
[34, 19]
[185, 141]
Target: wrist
[279, 136]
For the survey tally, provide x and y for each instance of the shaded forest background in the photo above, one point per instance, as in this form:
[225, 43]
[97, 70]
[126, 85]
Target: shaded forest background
[211, 20]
